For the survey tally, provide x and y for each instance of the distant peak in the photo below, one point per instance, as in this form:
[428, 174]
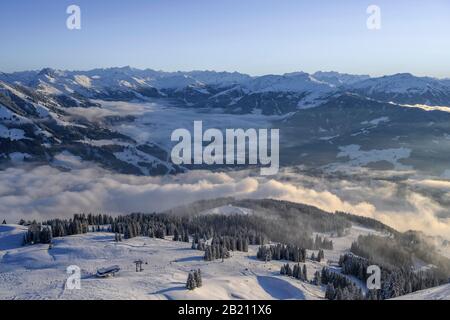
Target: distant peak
[403, 75]
[50, 72]
[297, 74]
[46, 71]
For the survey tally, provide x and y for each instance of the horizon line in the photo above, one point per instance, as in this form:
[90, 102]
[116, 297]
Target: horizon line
[372, 76]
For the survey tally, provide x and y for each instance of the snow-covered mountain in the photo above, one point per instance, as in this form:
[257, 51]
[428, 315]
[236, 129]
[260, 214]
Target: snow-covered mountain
[38, 271]
[37, 127]
[339, 79]
[354, 131]
[47, 112]
[438, 293]
[234, 92]
[405, 88]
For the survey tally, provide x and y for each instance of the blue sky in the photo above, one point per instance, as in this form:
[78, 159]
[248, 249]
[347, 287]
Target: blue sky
[251, 36]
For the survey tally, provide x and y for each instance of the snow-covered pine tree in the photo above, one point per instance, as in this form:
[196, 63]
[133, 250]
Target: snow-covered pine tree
[198, 278]
[330, 293]
[317, 279]
[339, 294]
[296, 271]
[321, 255]
[190, 283]
[372, 295]
[283, 270]
[176, 236]
[186, 236]
[208, 254]
[288, 270]
[245, 248]
[304, 273]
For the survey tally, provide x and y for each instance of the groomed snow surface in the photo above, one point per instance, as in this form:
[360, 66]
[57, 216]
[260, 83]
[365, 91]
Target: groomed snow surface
[35, 272]
[438, 293]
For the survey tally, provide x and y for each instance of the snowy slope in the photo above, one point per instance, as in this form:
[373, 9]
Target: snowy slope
[11, 236]
[400, 83]
[341, 245]
[438, 293]
[339, 79]
[228, 210]
[405, 88]
[128, 83]
[35, 272]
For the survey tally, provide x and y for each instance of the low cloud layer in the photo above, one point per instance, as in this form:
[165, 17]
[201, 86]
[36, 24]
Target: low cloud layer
[45, 192]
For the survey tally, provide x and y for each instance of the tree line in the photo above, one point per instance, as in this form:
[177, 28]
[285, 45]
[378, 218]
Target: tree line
[396, 281]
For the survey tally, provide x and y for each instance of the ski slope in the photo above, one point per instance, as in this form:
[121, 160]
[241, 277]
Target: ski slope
[35, 272]
[438, 293]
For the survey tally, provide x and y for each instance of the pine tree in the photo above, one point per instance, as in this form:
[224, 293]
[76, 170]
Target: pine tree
[4, 222]
[330, 293]
[296, 271]
[198, 278]
[283, 270]
[208, 254]
[127, 233]
[176, 236]
[288, 270]
[304, 273]
[339, 294]
[186, 237]
[245, 248]
[190, 283]
[321, 255]
[372, 295]
[345, 294]
[317, 279]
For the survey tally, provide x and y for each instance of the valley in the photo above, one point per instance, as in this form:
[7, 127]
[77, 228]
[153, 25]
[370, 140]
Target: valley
[102, 140]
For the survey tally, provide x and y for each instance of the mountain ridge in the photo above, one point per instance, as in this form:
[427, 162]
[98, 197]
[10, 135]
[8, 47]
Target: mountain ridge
[353, 117]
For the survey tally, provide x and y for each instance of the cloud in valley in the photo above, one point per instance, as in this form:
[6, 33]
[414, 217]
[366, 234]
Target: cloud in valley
[45, 192]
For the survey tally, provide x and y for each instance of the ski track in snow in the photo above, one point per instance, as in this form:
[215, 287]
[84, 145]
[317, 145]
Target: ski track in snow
[35, 272]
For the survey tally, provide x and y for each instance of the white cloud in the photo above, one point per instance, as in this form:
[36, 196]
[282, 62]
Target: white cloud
[44, 192]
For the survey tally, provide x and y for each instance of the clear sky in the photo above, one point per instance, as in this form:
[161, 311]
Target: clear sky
[251, 36]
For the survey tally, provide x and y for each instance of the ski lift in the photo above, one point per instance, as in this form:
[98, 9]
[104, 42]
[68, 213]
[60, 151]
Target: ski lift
[139, 265]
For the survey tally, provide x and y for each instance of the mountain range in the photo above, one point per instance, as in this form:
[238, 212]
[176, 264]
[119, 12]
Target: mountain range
[396, 121]
[231, 91]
